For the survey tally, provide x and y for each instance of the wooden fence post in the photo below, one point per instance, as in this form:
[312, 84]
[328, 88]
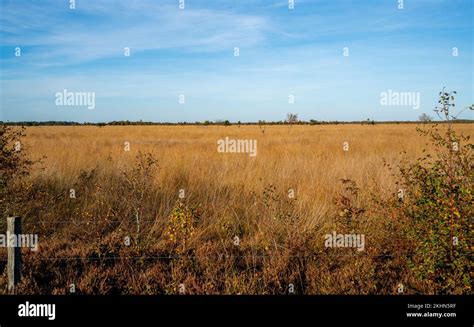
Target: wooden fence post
[14, 253]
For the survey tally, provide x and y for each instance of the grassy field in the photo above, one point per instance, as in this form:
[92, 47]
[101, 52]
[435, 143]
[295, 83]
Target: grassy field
[309, 159]
[157, 209]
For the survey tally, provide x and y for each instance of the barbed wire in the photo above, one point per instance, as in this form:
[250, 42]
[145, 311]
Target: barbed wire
[226, 256]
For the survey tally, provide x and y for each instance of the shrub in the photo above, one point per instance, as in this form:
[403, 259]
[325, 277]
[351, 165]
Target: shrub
[13, 167]
[438, 206]
[181, 226]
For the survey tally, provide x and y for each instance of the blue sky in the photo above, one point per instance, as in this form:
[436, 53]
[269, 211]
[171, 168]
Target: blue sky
[190, 52]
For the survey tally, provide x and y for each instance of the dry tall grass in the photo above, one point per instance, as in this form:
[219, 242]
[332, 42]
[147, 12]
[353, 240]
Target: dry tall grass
[134, 194]
[308, 159]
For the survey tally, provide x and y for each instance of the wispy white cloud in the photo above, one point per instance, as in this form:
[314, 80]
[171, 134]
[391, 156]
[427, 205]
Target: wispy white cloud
[140, 25]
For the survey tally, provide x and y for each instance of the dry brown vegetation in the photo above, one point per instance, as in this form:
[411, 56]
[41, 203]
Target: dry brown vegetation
[191, 240]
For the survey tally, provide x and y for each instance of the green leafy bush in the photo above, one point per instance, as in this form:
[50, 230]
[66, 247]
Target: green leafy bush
[438, 205]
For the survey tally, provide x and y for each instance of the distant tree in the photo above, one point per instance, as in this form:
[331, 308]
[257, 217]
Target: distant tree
[261, 125]
[425, 118]
[227, 123]
[291, 118]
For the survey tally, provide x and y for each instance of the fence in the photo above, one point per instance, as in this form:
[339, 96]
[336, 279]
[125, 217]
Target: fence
[14, 254]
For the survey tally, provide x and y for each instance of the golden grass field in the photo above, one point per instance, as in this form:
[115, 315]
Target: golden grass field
[234, 194]
[308, 159]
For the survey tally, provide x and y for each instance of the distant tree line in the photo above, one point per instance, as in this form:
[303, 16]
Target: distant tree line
[260, 123]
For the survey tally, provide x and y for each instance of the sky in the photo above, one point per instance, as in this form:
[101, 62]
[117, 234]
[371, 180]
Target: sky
[323, 60]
